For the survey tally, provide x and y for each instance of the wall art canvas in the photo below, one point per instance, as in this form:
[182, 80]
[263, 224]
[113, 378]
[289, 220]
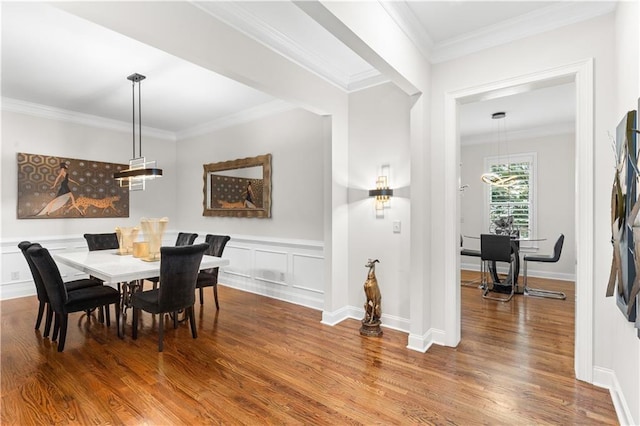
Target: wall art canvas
[51, 187]
[624, 279]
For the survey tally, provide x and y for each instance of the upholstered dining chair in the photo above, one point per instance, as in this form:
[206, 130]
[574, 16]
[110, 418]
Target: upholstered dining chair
[553, 258]
[183, 239]
[209, 277]
[64, 302]
[178, 273]
[496, 248]
[41, 292]
[104, 241]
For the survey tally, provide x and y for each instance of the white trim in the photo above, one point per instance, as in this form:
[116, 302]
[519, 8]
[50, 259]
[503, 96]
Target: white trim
[607, 379]
[52, 113]
[529, 24]
[582, 72]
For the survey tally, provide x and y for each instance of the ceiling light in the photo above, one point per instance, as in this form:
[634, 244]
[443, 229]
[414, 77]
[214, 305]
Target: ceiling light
[139, 170]
[493, 178]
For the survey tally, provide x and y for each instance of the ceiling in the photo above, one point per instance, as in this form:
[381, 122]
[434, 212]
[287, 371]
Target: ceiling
[56, 62]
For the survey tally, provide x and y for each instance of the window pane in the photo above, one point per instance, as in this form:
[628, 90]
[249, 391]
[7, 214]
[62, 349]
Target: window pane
[513, 200]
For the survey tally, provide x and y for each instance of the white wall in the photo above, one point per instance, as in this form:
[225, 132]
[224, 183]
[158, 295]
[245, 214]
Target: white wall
[35, 135]
[619, 342]
[379, 135]
[295, 141]
[555, 198]
[612, 338]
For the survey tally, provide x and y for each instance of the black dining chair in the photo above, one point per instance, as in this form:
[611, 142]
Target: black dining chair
[178, 273]
[497, 248]
[64, 302]
[183, 239]
[553, 258]
[41, 292]
[104, 241]
[209, 277]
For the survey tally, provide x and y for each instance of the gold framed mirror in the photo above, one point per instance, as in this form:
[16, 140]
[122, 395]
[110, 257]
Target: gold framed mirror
[238, 188]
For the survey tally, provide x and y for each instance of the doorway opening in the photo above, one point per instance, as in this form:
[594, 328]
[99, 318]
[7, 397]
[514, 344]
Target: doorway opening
[582, 74]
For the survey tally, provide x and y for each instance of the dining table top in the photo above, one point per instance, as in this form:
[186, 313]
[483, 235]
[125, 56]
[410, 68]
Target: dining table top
[114, 268]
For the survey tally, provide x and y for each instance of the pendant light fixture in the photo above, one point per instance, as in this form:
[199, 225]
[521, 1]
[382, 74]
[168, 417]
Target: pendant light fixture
[492, 178]
[139, 170]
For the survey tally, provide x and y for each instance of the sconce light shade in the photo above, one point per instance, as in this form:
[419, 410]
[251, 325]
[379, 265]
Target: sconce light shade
[382, 192]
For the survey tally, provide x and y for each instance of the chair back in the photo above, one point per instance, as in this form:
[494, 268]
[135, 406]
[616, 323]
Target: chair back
[37, 279]
[102, 241]
[495, 247]
[51, 277]
[557, 248]
[185, 239]
[216, 247]
[178, 274]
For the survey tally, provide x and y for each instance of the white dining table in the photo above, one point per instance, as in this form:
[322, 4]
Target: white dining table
[124, 272]
[113, 268]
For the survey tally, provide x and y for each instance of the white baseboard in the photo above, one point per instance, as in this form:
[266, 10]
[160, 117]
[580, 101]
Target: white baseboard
[605, 378]
[531, 272]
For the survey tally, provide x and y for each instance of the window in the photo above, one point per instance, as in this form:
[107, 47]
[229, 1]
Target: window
[516, 200]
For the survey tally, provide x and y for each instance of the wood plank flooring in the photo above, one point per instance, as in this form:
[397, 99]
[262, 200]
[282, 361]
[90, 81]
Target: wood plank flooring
[263, 361]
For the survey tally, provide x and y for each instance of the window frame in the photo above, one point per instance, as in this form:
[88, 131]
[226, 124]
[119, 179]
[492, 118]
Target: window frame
[532, 158]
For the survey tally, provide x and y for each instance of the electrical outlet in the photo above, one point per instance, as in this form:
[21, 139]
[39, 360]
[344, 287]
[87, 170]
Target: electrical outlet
[15, 276]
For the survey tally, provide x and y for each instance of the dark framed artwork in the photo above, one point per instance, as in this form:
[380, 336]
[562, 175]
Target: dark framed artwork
[624, 279]
[238, 188]
[51, 187]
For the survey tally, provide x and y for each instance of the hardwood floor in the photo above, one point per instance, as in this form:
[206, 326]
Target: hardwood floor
[263, 361]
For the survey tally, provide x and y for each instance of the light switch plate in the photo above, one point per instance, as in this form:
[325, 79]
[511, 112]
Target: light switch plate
[396, 226]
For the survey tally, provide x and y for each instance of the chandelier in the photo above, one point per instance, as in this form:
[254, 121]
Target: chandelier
[139, 170]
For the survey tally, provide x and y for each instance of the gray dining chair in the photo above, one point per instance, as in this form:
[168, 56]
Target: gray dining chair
[496, 248]
[553, 258]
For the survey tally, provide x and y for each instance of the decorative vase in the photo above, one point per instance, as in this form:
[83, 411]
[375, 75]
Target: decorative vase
[126, 237]
[153, 230]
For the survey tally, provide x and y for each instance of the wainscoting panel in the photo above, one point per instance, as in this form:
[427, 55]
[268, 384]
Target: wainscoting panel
[290, 270]
[275, 268]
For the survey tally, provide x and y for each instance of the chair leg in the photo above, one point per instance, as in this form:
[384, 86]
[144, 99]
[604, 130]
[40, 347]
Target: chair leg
[201, 295]
[107, 314]
[134, 320]
[175, 319]
[47, 322]
[41, 307]
[192, 322]
[116, 307]
[161, 333]
[56, 326]
[539, 292]
[63, 331]
[215, 294]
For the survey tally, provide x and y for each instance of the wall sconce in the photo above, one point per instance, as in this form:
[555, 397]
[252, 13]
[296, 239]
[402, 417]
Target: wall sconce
[382, 193]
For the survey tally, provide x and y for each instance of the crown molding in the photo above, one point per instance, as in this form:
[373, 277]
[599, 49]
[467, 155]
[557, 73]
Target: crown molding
[240, 18]
[53, 113]
[244, 116]
[565, 128]
[529, 24]
[400, 12]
